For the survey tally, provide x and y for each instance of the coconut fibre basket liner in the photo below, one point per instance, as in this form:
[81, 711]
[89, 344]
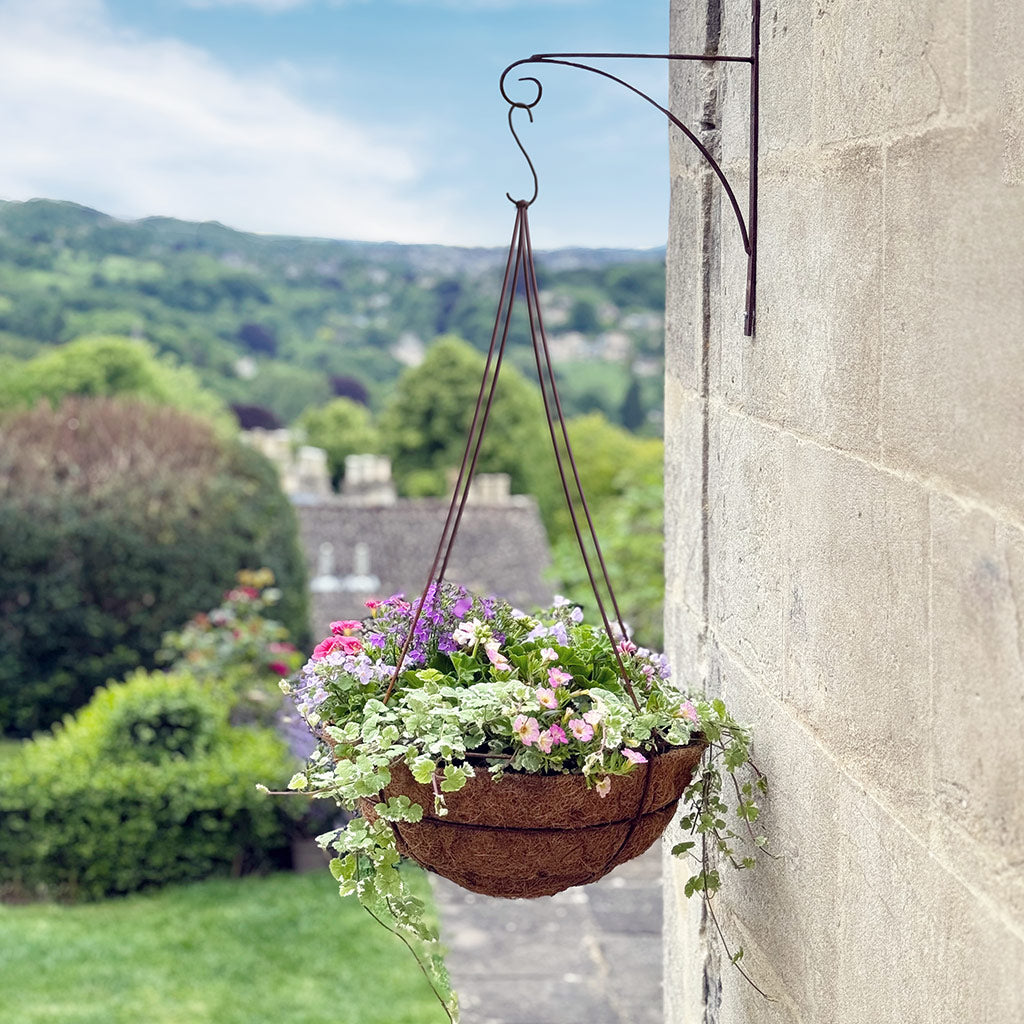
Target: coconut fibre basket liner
[528, 835]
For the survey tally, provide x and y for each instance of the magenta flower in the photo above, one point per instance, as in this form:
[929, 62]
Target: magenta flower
[557, 734]
[581, 730]
[633, 755]
[556, 677]
[546, 698]
[527, 729]
[626, 647]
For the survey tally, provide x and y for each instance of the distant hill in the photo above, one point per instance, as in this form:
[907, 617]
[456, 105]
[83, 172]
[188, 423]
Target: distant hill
[284, 322]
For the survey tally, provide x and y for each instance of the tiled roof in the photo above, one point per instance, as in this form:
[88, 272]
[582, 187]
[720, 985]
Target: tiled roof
[376, 551]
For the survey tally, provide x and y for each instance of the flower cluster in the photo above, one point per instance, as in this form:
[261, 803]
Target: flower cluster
[496, 687]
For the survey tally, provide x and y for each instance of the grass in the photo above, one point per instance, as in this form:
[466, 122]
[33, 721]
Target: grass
[283, 949]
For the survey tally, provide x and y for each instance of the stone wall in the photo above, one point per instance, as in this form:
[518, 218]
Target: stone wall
[845, 538]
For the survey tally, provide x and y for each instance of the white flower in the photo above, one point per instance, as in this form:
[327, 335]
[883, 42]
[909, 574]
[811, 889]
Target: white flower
[468, 633]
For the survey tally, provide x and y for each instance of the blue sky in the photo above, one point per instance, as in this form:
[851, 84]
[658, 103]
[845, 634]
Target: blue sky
[363, 119]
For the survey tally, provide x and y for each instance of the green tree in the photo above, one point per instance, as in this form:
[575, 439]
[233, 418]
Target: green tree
[119, 520]
[341, 427]
[425, 426]
[106, 365]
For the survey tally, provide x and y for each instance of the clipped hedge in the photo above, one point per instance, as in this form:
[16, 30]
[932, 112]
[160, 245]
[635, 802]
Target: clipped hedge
[119, 520]
[147, 785]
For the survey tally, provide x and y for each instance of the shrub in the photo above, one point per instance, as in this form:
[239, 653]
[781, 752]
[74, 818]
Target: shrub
[118, 521]
[147, 785]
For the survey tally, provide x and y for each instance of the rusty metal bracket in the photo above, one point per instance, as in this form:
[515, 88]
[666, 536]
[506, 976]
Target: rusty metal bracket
[748, 224]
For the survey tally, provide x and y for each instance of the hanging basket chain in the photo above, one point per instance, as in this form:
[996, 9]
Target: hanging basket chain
[542, 356]
[481, 413]
[520, 266]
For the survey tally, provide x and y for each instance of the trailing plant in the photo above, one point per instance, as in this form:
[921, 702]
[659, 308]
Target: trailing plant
[466, 685]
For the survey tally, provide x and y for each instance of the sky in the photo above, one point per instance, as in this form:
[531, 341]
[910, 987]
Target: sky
[375, 120]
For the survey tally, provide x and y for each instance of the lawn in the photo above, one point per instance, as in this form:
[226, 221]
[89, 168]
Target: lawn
[283, 949]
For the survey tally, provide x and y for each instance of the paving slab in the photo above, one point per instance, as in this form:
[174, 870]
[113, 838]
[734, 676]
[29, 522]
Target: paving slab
[590, 955]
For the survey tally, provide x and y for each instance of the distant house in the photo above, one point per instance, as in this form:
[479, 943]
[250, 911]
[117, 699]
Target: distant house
[367, 544]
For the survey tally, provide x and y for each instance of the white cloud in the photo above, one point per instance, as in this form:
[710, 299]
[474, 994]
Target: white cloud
[138, 126]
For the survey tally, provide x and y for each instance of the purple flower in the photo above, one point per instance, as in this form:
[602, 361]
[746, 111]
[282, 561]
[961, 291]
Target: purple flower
[446, 645]
[462, 607]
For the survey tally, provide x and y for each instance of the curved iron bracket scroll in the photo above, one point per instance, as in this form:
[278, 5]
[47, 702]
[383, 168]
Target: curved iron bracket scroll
[747, 225]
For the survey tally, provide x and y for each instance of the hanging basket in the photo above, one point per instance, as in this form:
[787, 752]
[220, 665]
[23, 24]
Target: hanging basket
[528, 835]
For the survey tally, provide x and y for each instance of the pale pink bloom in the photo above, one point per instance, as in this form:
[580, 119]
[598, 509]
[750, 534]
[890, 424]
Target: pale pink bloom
[527, 729]
[581, 730]
[544, 742]
[548, 654]
[556, 677]
[688, 711]
[603, 787]
[546, 698]
[557, 734]
[633, 755]
[468, 633]
[496, 658]
[593, 716]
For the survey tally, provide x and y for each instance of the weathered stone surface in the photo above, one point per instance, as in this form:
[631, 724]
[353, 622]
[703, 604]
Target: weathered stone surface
[952, 360]
[977, 650]
[888, 69]
[857, 669]
[745, 524]
[814, 363]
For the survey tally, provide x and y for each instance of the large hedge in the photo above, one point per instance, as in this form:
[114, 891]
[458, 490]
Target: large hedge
[118, 521]
[147, 785]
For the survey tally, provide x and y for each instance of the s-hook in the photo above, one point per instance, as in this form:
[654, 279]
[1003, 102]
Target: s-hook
[748, 225]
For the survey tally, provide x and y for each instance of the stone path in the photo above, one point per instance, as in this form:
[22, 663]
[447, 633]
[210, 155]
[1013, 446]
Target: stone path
[590, 955]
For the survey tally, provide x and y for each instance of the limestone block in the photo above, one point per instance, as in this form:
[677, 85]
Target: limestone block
[977, 610]
[856, 607]
[813, 364]
[883, 68]
[746, 535]
[684, 497]
[952, 358]
[684, 279]
[995, 72]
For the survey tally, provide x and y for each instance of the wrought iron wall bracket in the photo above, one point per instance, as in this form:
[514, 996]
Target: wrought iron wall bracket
[747, 225]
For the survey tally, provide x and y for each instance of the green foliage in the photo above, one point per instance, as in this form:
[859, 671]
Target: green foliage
[341, 428]
[99, 366]
[425, 426]
[118, 521]
[147, 785]
[216, 952]
[294, 310]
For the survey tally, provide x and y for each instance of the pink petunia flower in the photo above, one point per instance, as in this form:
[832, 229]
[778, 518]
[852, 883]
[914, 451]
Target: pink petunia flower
[633, 755]
[593, 716]
[544, 742]
[345, 626]
[344, 644]
[546, 698]
[556, 677]
[527, 729]
[279, 667]
[581, 730]
[603, 787]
